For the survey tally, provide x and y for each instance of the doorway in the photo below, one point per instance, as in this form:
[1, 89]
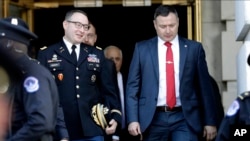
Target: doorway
[115, 25]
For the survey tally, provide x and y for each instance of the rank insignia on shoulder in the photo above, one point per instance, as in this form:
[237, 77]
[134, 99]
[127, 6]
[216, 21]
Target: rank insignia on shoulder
[99, 48]
[43, 48]
[244, 95]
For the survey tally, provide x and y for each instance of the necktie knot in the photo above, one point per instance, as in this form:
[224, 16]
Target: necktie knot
[168, 44]
[73, 47]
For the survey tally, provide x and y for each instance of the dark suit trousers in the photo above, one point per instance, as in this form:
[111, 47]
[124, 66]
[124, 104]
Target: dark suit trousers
[123, 136]
[169, 126]
[94, 138]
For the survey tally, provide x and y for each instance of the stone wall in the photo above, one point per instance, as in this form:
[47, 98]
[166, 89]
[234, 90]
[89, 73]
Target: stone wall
[218, 38]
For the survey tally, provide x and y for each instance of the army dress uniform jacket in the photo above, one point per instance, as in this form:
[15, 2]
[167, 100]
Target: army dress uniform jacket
[34, 96]
[81, 85]
[238, 114]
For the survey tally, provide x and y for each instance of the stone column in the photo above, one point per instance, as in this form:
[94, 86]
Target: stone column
[242, 28]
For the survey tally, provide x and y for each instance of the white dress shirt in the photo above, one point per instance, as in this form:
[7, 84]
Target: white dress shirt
[121, 92]
[69, 45]
[162, 49]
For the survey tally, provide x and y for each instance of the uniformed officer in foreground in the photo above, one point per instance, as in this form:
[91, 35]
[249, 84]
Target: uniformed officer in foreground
[238, 115]
[32, 90]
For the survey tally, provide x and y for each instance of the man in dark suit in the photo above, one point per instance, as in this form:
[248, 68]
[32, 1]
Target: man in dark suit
[169, 94]
[83, 79]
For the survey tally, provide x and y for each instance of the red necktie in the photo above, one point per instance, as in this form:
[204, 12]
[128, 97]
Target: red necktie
[171, 100]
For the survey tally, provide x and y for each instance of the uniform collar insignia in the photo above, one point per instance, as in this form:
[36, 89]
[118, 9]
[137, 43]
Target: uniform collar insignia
[86, 49]
[61, 49]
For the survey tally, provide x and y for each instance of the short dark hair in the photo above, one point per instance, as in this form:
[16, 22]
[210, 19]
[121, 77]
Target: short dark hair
[164, 10]
[70, 13]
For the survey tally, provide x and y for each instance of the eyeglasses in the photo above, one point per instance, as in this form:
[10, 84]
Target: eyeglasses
[79, 25]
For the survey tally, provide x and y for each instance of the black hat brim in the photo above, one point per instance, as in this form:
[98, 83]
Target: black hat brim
[18, 33]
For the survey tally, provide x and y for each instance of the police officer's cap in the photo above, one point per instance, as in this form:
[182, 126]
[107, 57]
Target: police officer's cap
[16, 29]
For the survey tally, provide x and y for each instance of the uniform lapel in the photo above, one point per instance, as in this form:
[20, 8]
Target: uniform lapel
[63, 52]
[84, 51]
[183, 53]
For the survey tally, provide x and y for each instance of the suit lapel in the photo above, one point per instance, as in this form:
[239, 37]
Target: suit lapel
[183, 53]
[153, 49]
[63, 52]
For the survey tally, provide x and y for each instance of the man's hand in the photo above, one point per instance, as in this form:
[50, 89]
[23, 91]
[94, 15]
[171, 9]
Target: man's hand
[134, 128]
[111, 128]
[209, 132]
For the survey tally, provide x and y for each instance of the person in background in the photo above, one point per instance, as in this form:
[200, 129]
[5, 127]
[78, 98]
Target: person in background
[115, 54]
[91, 36]
[81, 74]
[237, 115]
[32, 91]
[169, 94]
